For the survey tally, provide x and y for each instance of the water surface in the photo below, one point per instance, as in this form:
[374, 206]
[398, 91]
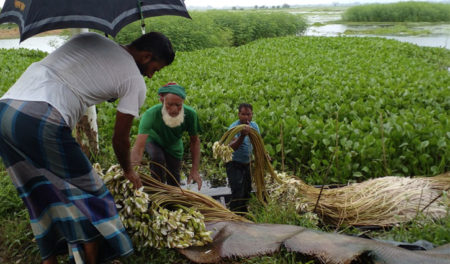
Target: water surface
[439, 37]
[47, 43]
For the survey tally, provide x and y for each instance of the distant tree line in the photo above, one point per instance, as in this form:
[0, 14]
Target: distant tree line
[273, 7]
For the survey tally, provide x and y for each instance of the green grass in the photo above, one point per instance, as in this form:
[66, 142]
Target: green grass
[399, 12]
[8, 26]
[16, 238]
[281, 257]
[436, 232]
[273, 213]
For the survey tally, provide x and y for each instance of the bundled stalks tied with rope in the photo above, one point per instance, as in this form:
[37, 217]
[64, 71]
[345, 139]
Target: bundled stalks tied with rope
[378, 202]
[221, 149]
[158, 215]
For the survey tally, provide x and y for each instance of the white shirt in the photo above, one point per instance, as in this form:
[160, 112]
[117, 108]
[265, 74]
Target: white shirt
[87, 70]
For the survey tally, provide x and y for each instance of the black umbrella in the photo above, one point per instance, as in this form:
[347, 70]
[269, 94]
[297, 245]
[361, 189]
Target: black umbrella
[109, 16]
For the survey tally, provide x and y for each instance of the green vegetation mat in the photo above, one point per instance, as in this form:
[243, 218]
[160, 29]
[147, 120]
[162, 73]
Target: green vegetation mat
[364, 107]
[399, 12]
[389, 30]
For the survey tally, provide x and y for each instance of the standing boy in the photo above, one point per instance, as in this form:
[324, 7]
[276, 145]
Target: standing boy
[238, 169]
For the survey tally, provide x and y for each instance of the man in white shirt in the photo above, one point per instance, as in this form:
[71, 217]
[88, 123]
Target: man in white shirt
[69, 206]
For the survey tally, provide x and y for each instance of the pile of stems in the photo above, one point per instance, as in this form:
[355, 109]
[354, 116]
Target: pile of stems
[377, 202]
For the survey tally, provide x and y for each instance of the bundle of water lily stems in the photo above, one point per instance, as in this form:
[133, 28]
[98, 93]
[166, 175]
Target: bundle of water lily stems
[261, 164]
[378, 202]
[159, 215]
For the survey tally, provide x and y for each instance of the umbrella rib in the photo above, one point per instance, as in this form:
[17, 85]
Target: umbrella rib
[76, 18]
[144, 8]
[15, 14]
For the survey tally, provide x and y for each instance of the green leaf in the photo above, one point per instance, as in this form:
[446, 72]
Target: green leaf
[278, 148]
[424, 144]
[357, 174]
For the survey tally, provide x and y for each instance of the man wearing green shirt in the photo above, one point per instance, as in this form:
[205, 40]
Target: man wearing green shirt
[160, 135]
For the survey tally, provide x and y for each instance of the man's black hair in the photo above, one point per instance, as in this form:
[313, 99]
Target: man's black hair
[245, 105]
[158, 44]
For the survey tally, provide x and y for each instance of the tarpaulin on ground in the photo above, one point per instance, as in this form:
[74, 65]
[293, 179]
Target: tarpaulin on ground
[245, 240]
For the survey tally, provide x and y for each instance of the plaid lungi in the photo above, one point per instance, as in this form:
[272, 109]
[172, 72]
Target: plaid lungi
[67, 201]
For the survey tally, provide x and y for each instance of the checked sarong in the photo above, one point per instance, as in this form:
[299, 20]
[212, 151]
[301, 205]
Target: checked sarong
[67, 202]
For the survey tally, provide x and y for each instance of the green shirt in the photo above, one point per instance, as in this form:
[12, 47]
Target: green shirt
[168, 138]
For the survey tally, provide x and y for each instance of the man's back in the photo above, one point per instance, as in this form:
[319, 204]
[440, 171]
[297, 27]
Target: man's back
[85, 71]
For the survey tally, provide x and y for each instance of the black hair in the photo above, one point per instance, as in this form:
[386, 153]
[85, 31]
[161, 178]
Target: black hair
[245, 105]
[158, 44]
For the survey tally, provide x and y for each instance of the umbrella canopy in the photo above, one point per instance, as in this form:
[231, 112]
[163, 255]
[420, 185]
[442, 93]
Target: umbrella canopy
[109, 16]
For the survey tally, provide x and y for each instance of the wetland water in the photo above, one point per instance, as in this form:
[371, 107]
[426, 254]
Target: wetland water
[439, 36]
[47, 43]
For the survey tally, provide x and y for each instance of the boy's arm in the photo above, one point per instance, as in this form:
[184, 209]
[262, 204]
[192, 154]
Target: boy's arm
[236, 142]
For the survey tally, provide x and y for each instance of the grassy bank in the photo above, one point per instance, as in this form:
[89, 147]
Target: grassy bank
[399, 12]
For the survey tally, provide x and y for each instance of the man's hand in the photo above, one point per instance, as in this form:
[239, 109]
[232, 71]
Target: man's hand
[237, 141]
[133, 178]
[195, 176]
[135, 159]
[138, 149]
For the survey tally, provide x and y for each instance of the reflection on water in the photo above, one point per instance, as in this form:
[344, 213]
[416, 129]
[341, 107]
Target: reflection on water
[319, 17]
[440, 41]
[331, 30]
[47, 43]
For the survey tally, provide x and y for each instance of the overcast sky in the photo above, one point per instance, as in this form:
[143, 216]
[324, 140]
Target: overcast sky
[219, 4]
[230, 3]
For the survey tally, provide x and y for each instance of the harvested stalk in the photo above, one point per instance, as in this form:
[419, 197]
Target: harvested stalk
[160, 215]
[221, 149]
[378, 202]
